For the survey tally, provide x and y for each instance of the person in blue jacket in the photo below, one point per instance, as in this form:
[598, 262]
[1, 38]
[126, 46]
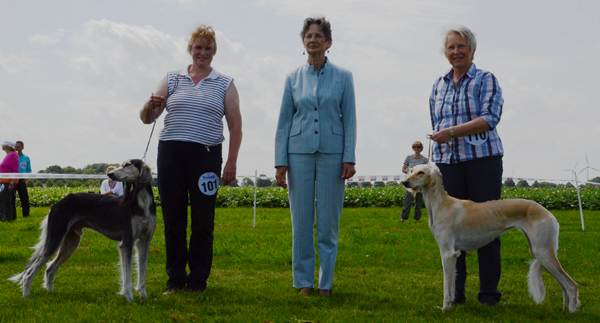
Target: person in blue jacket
[315, 154]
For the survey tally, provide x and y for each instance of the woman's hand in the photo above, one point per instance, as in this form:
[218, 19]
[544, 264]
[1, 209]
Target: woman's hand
[229, 172]
[442, 136]
[349, 171]
[280, 174]
[153, 108]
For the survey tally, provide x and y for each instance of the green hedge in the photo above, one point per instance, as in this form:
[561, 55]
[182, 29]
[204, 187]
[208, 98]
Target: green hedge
[551, 198]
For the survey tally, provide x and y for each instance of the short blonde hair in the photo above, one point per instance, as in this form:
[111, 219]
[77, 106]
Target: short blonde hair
[203, 32]
[418, 143]
[109, 168]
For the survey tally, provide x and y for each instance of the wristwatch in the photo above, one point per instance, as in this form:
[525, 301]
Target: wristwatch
[451, 132]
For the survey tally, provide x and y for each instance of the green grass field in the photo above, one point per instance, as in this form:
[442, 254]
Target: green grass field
[387, 271]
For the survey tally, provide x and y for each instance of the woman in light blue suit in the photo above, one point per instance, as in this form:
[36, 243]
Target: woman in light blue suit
[314, 145]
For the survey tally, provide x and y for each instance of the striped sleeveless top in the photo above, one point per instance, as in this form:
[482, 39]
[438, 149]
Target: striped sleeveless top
[195, 112]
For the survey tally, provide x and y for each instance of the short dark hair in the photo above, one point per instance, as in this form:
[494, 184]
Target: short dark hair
[323, 24]
[20, 142]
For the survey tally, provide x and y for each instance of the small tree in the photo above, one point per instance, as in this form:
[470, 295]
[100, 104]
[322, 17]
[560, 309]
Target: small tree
[234, 183]
[509, 183]
[391, 183]
[263, 182]
[352, 184]
[247, 182]
[569, 185]
[59, 183]
[49, 182]
[522, 184]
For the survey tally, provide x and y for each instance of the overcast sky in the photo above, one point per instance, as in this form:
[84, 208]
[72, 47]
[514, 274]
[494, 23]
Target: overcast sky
[74, 74]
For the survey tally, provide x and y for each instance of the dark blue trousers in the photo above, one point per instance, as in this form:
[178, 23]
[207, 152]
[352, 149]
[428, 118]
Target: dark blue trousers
[478, 180]
[187, 169]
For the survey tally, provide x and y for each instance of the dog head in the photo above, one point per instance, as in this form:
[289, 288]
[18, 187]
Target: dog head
[422, 176]
[132, 171]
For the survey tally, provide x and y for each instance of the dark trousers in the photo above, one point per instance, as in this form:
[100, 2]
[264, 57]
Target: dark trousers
[21, 188]
[188, 169]
[478, 180]
[6, 203]
[408, 198]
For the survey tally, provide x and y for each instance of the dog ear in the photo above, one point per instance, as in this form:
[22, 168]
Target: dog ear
[145, 175]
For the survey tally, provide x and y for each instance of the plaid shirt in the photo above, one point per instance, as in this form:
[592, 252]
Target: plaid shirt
[477, 94]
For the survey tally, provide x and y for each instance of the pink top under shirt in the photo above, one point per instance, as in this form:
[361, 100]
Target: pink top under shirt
[10, 164]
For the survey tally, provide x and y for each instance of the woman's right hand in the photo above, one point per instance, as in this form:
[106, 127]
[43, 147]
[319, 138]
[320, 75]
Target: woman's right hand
[153, 108]
[280, 174]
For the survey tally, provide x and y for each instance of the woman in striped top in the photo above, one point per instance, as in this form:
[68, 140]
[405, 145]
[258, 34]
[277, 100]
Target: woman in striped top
[196, 99]
[409, 162]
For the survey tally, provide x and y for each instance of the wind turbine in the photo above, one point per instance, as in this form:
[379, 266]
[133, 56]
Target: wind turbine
[587, 168]
[574, 175]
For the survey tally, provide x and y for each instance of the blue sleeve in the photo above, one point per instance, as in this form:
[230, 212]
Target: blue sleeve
[349, 120]
[286, 114]
[491, 100]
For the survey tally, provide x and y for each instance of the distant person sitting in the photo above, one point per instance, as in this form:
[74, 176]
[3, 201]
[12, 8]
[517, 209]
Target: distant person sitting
[110, 187]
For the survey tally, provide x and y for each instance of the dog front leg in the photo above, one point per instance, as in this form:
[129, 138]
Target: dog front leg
[142, 249]
[449, 257]
[126, 250]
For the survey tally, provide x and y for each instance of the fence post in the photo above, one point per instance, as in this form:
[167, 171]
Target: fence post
[255, 179]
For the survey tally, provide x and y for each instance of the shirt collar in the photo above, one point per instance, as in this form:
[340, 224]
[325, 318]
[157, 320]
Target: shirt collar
[470, 73]
[323, 68]
[212, 75]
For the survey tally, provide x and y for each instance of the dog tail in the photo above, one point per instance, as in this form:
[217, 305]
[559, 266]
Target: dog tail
[38, 252]
[537, 290]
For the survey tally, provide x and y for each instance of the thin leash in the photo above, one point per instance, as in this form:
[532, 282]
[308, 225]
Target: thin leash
[428, 136]
[151, 132]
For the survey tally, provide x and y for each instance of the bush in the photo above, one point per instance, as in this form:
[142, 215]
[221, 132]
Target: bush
[561, 198]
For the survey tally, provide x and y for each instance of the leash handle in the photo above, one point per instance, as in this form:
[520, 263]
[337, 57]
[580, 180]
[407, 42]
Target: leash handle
[428, 136]
[151, 132]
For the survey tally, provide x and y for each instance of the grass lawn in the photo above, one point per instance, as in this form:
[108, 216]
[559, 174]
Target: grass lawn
[387, 271]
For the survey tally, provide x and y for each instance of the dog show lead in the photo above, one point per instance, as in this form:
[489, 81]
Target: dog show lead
[196, 99]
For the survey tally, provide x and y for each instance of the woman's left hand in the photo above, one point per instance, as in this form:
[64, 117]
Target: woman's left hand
[349, 171]
[442, 136]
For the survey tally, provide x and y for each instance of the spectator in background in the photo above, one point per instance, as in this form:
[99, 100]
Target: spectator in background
[21, 187]
[10, 164]
[110, 187]
[410, 162]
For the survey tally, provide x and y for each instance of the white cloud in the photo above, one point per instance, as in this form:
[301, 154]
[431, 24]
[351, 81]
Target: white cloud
[43, 39]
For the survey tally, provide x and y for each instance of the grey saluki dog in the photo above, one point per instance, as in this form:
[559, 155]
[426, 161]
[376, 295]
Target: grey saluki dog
[129, 219]
[465, 225]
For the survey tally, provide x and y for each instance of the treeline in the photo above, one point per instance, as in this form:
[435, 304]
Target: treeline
[93, 169]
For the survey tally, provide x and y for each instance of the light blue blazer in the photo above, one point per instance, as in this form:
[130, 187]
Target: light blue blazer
[318, 114]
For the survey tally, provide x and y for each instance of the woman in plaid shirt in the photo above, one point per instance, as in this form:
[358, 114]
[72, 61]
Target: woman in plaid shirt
[465, 106]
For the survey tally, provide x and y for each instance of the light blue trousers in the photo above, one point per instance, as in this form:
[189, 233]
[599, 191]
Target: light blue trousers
[315, 184]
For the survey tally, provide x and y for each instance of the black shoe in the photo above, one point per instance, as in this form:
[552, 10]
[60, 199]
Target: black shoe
[489, 303]
[194, 290]
[458, 301]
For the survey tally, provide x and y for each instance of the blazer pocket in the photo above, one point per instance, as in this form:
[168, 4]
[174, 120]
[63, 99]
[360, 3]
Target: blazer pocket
[295, 130]
[337, 130]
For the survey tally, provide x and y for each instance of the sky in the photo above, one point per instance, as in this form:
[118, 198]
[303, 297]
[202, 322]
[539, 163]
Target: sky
[75, 73]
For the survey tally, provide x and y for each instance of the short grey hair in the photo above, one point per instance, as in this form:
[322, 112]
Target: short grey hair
[465, 33]
[323, 24]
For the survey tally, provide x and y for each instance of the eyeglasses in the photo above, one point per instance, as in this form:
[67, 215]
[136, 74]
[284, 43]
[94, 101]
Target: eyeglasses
[420, 147]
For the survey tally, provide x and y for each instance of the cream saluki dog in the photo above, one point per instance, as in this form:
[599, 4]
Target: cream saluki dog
[465, 225]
